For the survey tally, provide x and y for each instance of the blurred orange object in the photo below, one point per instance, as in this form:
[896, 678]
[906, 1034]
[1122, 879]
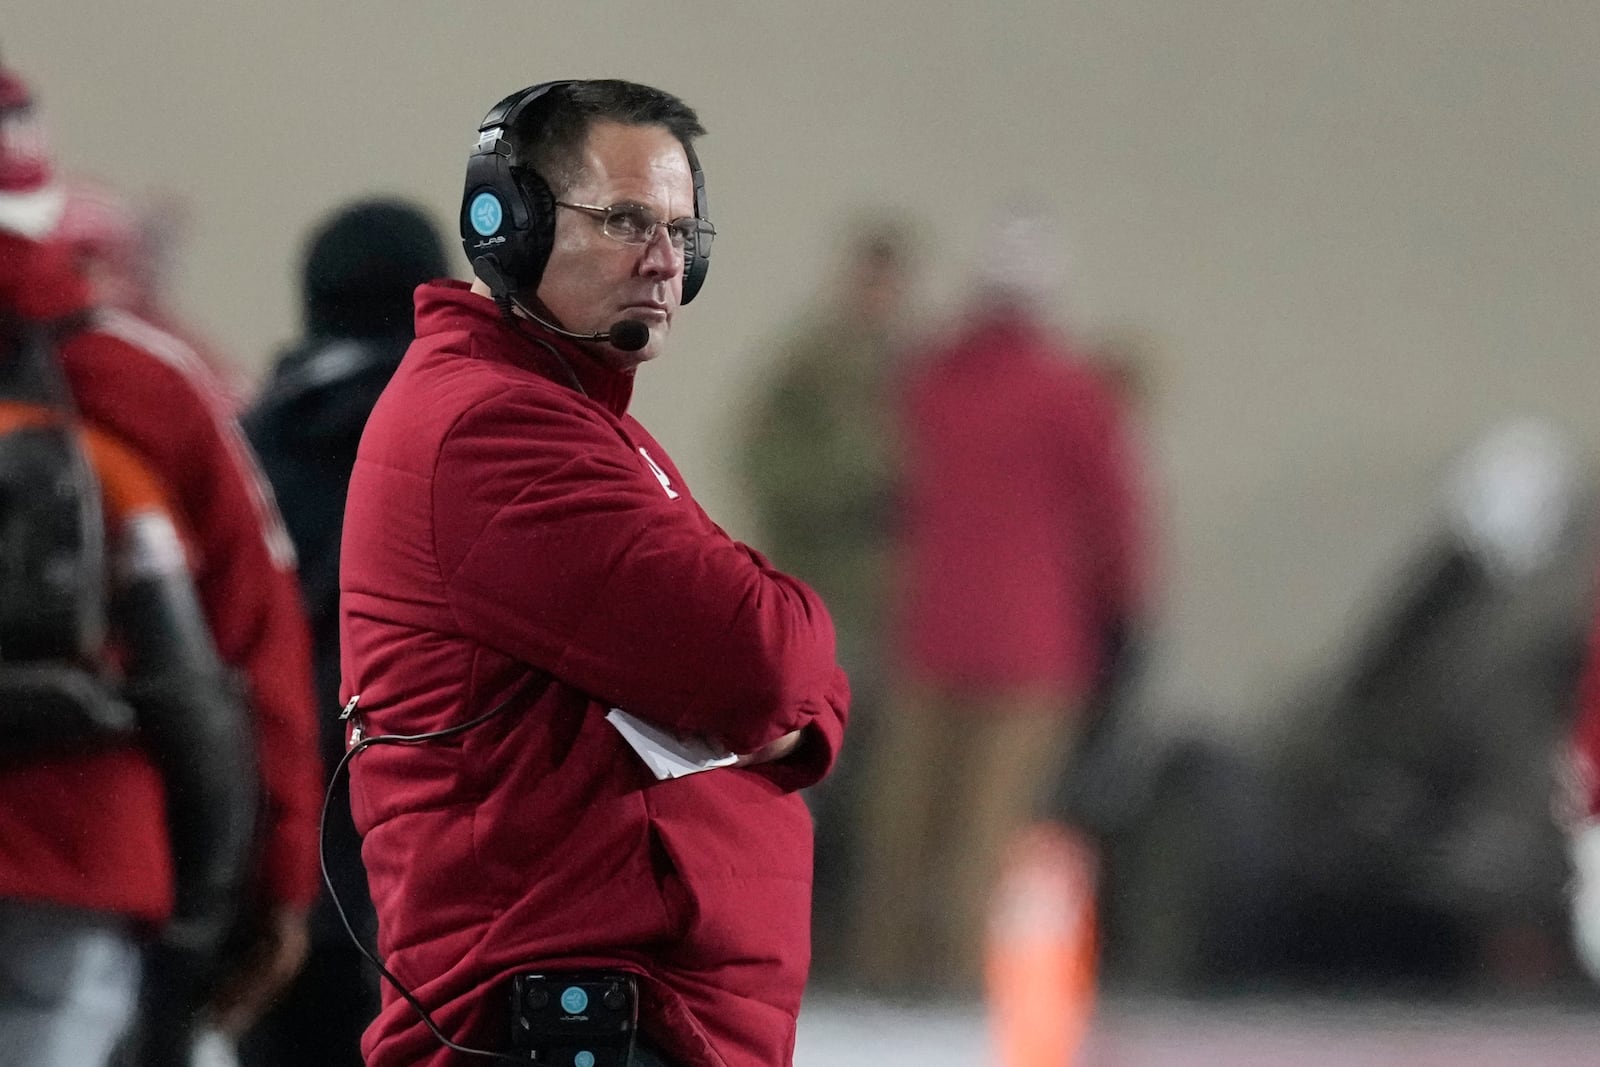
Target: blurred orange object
[1042, 950]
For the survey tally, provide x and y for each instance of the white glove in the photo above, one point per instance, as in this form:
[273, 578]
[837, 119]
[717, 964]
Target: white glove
[1585, 844]
[211, 1049]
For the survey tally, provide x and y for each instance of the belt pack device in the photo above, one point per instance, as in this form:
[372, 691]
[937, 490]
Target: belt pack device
[574, 1018]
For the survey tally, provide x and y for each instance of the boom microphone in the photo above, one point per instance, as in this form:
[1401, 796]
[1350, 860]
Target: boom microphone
[628, 335]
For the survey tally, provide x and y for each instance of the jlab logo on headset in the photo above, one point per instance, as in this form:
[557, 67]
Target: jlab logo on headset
[486, 214]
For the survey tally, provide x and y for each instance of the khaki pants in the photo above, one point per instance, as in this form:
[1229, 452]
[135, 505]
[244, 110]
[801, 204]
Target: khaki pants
[950, 780]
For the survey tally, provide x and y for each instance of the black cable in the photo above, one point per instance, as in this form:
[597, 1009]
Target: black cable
[506, 305]
[327, 879]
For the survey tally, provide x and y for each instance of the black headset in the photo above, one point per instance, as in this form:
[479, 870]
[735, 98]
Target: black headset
[508, 213]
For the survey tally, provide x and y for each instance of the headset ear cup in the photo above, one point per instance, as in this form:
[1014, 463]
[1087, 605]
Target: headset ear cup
[695, 264]
[533, 242]
[507, 215]
[696, 260]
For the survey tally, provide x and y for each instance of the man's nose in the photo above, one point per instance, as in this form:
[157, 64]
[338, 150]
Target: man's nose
[660, 259]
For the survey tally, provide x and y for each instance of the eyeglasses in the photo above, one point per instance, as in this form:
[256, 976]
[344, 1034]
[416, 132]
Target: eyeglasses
[635, 224]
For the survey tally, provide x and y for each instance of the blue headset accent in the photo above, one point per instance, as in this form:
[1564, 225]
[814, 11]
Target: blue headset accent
[486, 214]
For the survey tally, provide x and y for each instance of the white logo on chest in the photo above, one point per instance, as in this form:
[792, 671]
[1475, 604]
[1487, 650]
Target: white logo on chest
[661, 475]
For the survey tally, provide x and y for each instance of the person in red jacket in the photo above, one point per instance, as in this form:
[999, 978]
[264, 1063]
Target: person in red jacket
[1581, 813]
[1019, 576]
[147, 391]
[109, 678]
[632, 698]
[123, 249]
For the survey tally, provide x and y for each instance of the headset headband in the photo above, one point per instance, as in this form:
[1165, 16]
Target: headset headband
[506, 111]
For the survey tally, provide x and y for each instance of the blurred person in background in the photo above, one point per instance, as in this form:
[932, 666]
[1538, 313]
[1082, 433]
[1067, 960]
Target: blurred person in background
[817, 463]
[361, 268]
[1581, 804]
[1021, 573]
[85, 867]
[1390, 829]
[128, 792]
[1415, 782]
[124, 251]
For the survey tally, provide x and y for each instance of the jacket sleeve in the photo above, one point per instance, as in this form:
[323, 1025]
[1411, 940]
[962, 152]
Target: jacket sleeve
[1103, 471]
[562, 548]
[148, 390]
[1586, 734]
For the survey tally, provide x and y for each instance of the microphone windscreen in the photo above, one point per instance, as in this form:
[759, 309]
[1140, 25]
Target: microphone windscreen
[629, 335]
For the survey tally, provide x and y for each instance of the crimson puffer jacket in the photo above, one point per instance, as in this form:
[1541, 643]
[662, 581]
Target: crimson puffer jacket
[501, 522]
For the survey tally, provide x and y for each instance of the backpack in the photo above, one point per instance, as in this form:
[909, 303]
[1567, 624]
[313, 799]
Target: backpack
[52, 552]
[54, 608]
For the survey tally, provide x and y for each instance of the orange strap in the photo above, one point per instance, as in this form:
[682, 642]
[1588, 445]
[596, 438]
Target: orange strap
[127, 484]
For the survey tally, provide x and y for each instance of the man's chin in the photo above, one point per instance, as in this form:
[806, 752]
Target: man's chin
[620, 360]
[632, 360]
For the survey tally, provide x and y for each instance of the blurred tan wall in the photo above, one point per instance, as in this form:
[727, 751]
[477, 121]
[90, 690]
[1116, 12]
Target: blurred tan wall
[1362, 231]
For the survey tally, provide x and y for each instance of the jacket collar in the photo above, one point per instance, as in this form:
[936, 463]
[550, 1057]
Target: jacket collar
[449, 304]
[38, 280]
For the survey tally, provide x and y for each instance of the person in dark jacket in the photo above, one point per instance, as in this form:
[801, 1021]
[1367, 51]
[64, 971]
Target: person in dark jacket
[361, 266]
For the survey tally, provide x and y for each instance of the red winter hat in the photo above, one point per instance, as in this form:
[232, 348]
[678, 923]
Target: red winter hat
[24, 152]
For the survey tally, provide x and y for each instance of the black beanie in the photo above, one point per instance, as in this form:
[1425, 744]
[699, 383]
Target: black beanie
[362, 265]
